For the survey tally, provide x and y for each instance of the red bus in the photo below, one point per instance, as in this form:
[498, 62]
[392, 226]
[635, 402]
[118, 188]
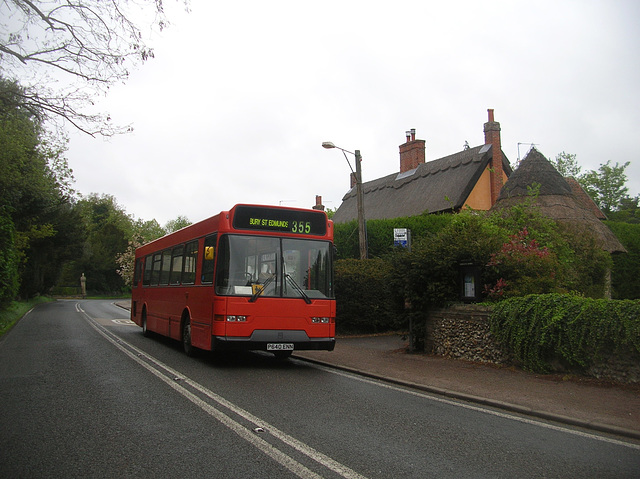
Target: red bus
[251, 278]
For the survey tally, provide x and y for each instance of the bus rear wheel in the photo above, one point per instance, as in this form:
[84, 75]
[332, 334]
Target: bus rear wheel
[186, 337]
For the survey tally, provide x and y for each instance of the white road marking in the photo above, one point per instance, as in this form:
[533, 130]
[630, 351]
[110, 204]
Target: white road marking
[176, 381]
[127, 322]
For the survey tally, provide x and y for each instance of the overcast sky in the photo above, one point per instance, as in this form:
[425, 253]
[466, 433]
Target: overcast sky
[240, 96]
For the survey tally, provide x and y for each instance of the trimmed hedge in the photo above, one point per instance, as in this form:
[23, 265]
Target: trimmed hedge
[380, 233]
[364, 296]
[625, 279]
[551, 331]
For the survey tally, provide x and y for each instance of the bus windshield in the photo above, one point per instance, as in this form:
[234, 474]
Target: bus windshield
[264, 266]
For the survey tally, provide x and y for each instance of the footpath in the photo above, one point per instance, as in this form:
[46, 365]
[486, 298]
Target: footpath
[593, 404]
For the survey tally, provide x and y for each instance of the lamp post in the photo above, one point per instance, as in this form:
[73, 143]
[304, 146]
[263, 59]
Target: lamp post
[362, 234]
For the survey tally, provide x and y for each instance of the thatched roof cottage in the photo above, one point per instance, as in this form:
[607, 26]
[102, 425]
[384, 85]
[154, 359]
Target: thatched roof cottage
[561, 199]
[472, 177]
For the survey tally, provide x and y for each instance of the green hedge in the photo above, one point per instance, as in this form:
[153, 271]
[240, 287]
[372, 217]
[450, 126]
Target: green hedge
[365, 300]
[518, 252]
[380, 233]
[546, 331]
[625, 280]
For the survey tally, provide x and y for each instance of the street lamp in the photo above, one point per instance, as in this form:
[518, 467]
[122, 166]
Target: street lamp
[362, 235]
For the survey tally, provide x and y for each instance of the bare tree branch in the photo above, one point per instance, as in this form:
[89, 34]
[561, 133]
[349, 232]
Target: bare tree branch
[79, 48]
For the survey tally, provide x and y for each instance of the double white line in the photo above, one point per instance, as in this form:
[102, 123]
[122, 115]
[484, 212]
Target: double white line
[184, 386]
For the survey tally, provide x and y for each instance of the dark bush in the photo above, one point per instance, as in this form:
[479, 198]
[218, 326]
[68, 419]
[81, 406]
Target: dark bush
[431, 268]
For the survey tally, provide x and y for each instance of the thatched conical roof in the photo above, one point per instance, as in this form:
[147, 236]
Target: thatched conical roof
[584, 199]
[556, 199]
[535, 169]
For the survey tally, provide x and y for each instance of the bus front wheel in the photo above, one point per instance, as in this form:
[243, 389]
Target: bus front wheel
[186, 337]
[145, 332]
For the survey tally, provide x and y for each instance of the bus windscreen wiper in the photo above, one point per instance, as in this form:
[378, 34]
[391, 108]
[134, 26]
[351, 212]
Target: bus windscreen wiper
[297, 287]
[260, 290]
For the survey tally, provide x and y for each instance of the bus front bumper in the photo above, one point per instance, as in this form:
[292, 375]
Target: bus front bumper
[273, 340]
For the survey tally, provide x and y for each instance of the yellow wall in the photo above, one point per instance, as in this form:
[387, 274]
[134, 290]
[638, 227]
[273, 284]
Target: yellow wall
[480, 197]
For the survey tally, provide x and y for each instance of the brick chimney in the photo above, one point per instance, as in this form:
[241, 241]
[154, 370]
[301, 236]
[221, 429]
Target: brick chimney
[492, 137]
[412, 153]
[319, 205]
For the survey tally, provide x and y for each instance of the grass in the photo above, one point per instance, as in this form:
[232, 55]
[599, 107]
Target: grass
[16, 310]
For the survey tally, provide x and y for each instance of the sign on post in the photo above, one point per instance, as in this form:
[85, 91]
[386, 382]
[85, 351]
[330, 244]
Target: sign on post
[402, 237]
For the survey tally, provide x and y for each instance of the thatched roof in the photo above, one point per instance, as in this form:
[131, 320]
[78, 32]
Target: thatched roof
[535, 169]
[556, 198]
[435, 186]
[584, 199]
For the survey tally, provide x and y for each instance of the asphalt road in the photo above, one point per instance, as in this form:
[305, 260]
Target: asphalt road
[84, 394]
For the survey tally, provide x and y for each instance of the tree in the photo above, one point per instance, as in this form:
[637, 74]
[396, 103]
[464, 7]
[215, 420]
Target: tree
[144, 232]
[147, 230]
[108, 230]
[628, 211]
[48, 253]
[9, 280]
[175, 224]
[606, 186]
[39, 226]
[330, 212]
[84, 46]
[567, 165]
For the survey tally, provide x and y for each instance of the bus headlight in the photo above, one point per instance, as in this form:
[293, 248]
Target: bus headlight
[236, 319]
[322, 320]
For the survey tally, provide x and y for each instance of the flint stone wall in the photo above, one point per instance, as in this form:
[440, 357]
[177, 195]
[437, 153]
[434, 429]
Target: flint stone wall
[462, 332]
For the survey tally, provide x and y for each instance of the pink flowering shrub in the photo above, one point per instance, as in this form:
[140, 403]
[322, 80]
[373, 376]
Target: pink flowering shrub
[522, 267]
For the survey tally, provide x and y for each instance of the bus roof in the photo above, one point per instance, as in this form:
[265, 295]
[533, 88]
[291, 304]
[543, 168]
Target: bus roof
[251, 218]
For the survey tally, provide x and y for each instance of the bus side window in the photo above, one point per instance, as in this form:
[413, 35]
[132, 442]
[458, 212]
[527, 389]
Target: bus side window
[166, 267]
[155, 274]
[189, 264]
[137, 272]
[148, 266]
[208, 259]
[176, 265]
[222, 275]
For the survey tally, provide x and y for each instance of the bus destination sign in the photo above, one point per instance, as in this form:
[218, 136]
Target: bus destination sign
[264, 218]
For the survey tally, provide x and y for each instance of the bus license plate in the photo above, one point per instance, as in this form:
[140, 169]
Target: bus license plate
[279, 346]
